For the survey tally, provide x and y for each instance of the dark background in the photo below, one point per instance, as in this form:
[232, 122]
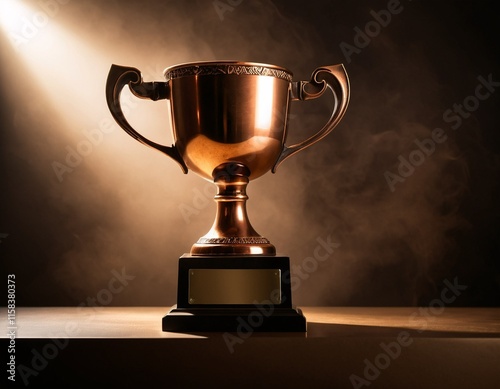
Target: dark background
[120, 208]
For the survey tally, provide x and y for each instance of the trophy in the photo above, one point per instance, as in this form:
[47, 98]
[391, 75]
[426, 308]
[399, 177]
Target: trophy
[229, 125]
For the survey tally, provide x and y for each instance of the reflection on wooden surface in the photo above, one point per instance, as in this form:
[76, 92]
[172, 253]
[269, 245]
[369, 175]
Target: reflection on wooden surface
[145, 322]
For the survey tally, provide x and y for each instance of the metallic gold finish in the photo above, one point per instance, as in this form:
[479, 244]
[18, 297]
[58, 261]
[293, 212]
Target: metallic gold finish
[229, 122]
[234, 286]
[223, 116]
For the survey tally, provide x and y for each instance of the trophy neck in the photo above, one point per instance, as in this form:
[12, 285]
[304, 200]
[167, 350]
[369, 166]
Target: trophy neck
[232, 233]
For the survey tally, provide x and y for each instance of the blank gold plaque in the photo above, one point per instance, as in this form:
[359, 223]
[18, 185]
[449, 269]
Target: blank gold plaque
[234, 286]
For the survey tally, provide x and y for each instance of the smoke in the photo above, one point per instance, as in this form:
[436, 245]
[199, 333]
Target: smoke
[121, 205]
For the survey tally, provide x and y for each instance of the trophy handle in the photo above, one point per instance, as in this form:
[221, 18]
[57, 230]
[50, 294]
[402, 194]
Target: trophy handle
[118, 77]
[334, 77]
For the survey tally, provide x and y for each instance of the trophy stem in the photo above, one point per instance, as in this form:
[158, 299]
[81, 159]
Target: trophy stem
[232, 233]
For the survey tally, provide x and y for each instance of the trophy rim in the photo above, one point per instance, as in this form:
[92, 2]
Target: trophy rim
[221, 67]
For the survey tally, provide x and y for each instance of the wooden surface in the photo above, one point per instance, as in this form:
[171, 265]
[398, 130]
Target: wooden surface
[145, 322]
[125, 347]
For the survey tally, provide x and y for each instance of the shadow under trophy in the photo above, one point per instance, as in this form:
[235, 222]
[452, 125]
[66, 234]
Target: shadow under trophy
[229, 125]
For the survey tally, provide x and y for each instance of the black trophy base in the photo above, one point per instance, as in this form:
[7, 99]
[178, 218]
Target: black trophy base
[245, 320]
[234, 294]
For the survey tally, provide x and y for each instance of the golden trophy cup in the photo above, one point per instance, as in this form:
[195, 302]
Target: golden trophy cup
[229, 125]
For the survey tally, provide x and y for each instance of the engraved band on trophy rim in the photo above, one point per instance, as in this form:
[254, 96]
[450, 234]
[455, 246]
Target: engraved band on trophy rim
[220, 69]
[234, 240]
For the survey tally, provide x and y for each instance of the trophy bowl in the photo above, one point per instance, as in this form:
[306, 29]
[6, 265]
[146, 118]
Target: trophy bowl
[229, 125]
[229, 112]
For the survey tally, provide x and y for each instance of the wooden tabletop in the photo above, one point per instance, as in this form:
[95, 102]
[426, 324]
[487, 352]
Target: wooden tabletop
[124, 347]
[145, 322]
